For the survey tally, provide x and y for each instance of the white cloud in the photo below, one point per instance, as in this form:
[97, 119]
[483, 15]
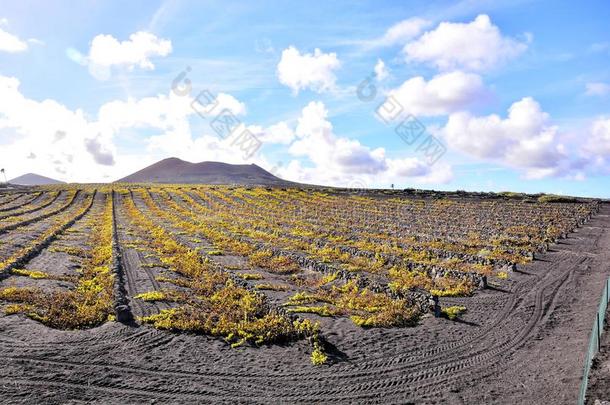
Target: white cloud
[108, 51]
[11, 43]
[162, 111]
[48, 138]
[399, 173]
[401, 32]
[524, 140]
[596, 148]
[443, 94]
[179, 141]
[597, 89]
[69, 145]
[75, 56]
[598, 143]
[403, 171]
[307, 71]
[381, 70]
[156, 112]
[408, 167]
[227, 101]
[169, 116]
[317, 141]
[36, 41]
[345, 162]
[99, 153]
[599, 47]
[280, 133]
[477, 46]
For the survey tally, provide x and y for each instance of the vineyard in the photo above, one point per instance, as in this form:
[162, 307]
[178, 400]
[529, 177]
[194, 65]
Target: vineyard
[356, 284]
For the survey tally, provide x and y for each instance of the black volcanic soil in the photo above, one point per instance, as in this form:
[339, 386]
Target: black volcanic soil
[548, 367]
[12, 241]
[522, 341]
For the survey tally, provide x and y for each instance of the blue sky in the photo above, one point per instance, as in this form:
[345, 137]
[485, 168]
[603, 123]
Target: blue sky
[516, 92]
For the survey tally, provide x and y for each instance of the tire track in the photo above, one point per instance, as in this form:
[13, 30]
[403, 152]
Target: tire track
[157, 394]
[133, 265]
[412, 377]
[372, 388]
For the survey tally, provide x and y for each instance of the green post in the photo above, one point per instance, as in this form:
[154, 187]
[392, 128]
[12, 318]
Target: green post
[599, 332]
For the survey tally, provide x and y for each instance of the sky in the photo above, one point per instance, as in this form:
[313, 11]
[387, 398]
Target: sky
[465, 95]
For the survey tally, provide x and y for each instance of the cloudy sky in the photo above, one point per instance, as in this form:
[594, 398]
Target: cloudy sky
[471, 95]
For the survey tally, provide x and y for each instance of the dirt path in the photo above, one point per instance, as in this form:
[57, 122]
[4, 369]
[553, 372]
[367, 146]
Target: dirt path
[139, 266]
[522, 341]
[548, 368]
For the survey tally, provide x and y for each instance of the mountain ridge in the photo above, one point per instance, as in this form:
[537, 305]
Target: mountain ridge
[33, 179]
[177, 171]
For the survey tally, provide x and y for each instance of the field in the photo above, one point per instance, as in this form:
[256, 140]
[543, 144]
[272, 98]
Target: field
[172, 293]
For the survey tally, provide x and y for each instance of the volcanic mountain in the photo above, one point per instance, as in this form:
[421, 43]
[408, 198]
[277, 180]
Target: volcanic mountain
[177, 171]
[32, 179]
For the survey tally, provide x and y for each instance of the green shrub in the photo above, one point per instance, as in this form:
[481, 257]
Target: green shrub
[453, 311]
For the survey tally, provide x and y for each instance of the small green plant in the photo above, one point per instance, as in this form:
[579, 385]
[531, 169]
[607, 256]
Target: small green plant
[449, 287]
[18, 295]
[329, 278]
[453, 311]
[318, 357]
[73, 251]
[152, 296]
[12, 309]
[322, 310]
[502, 275]
[301, 298]
[37, 275]
[251, 276]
